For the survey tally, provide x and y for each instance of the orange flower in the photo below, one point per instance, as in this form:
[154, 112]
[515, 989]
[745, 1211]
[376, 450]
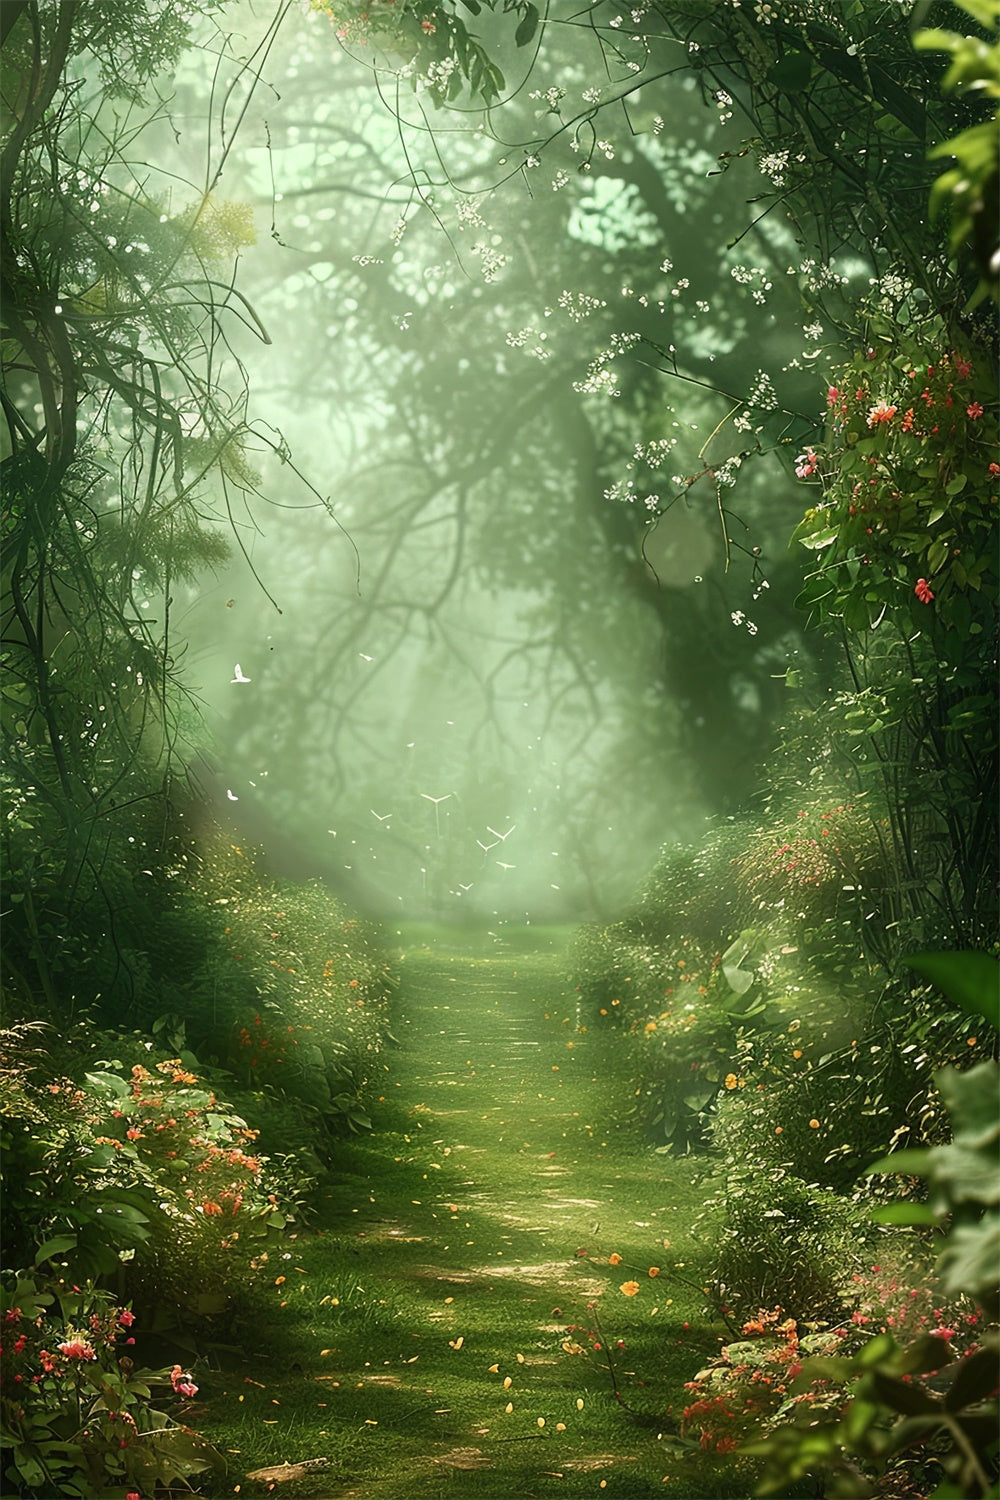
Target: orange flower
[813, 1124]
[731, 1080]
[630, 1288]
[654, 1270]
[650, 1026]
[615, 1259]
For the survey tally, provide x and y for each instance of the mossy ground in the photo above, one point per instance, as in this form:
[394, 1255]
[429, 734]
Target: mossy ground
[471, 1231]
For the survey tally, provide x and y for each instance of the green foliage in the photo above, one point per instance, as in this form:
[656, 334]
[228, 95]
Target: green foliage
[909, 492]
[77, 1416]
[783, 1243]
[970, 188]
[431, 44]
[886, 1412]
[146, 1176]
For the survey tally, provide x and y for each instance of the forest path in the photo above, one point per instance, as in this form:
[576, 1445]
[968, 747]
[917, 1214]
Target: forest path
[472, 1230]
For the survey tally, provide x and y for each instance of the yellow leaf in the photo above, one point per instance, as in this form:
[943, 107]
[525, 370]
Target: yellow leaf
[494, 1369]
[456, 1343]
[509, 1407]
[507, 1382]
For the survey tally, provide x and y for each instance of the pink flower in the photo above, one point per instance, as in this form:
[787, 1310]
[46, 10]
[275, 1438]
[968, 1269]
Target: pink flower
[76, 1349]
[943, 1333]
[806, 464]
[922, 589]
[126, 1317]
[974, 410]
[182, 1384]
[832, 396]
[963, 367]
[881, 412]
[14, 1314]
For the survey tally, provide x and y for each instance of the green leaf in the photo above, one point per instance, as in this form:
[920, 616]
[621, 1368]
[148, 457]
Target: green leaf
[738, 979]
[909, 1400]
[970, 1258]
[975, 1380]
[970, 979]
[815, 540]
[110, 1082]
[971, 1097]
[904, 1213]
[791, 73]
[527, 26]
[57, 1245]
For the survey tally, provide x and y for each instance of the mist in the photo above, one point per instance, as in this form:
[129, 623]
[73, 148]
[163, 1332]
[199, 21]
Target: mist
[457, 665]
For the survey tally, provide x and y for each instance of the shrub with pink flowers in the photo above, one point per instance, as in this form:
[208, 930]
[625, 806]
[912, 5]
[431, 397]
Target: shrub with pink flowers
[147, 1175]
[77, 1415]
[909, 504]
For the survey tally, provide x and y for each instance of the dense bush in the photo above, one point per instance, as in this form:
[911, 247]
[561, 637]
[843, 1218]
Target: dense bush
[142, 1177]
[77, 1415]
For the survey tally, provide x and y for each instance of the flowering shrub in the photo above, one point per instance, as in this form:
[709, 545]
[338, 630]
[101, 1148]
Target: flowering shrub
[299, 989]
[754, 1384]
[907, 519]
[149, 1175]
[76, 1415]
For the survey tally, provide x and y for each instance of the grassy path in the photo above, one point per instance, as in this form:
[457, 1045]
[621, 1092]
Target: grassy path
[432, 1337]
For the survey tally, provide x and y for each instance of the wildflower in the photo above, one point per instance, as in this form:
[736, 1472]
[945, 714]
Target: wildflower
[974, 410]
[813, 1124]
[806, 464]
[629, 1288]
[923, 591]
[832, 396]
[963, 367]
[76, 1349]
[615, 1259]
[993, 470]
[428, 27]
[650, 1026]
[907, 423]
[182, 1383]
[881, 412]
[654, 1270]
[730, 1080]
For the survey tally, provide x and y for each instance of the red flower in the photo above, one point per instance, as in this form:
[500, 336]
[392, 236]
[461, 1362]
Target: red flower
[974, 410]
[922, 589]
[77, 1349]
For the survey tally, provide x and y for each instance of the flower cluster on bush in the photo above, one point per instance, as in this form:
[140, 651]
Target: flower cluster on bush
[754, 1383]
[77, 1415]
[910, 481]
[149, 1176]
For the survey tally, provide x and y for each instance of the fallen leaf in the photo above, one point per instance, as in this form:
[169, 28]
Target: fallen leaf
[456, 1343]
[494, 1369]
